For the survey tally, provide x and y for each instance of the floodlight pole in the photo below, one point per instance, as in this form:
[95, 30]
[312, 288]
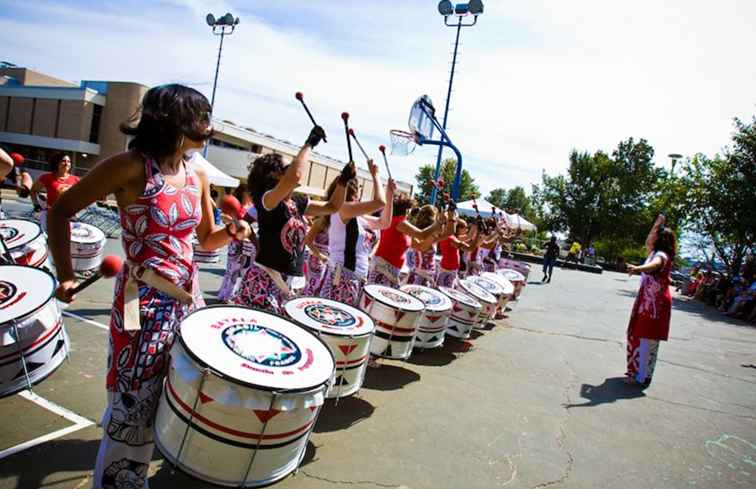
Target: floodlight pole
[459, 25]
[219, 26]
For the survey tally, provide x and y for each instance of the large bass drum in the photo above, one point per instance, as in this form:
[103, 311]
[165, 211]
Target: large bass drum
[242, 395]
[438, 307]
[396, 315]
[33, 340]
[26, 242]
[347, 332]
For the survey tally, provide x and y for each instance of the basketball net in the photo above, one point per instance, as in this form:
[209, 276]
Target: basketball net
[402, 142]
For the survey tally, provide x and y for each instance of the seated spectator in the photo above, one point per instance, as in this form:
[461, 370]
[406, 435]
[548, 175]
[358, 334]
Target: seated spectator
[743, 302]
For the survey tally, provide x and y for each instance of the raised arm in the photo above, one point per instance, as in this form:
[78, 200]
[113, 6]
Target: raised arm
[420, 234]
[293, 174]
[354, 209]
[314, 230]
[6, 164]
[651, 239]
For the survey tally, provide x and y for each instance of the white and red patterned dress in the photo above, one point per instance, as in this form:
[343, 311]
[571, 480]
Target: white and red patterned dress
[157, 233]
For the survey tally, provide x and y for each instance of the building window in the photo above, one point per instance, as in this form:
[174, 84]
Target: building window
[94, 131]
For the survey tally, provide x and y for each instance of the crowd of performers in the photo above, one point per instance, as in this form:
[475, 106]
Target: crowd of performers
[338, 245]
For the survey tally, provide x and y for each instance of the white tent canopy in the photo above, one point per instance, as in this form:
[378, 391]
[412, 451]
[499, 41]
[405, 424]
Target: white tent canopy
[486, 210]
[214, 175]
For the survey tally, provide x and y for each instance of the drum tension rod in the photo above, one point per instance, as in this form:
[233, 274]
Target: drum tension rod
[273, 399]
[176, 464]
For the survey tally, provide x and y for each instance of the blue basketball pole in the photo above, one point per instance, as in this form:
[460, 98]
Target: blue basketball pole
[455, 191]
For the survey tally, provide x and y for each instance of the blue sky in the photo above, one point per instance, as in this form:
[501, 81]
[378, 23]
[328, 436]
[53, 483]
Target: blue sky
[536, 77]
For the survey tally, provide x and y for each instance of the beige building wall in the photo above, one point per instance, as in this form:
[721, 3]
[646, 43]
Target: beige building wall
[123, 100]
[20, 115]
[29, 77]
[45, 118]
[75, 120]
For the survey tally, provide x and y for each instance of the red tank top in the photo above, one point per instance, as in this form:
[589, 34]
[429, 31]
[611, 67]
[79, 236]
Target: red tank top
[449, 255]
[394, 244]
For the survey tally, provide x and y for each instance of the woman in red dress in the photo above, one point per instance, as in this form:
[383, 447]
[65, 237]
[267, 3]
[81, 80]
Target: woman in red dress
[162, 203]
[649, 322]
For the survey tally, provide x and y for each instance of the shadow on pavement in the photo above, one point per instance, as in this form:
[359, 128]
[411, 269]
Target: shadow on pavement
[61, 456]
[436, 357]
[389, 378]
[347, 413]
[536, 283]
[166, 477]
[613, 389]
[455, 345]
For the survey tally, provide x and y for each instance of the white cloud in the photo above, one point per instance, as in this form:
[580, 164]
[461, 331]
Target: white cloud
[536, 78]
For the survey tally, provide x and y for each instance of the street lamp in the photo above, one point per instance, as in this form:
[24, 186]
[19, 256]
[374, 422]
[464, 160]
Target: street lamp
[674, 157]
[223, 26]
[461, 10]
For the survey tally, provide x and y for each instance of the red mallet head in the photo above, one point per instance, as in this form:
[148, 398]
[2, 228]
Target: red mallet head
[230, 205]
[18, 159]
[382, 148]
[351, 132]
[299, 96]
[345, 116]
[110, 266]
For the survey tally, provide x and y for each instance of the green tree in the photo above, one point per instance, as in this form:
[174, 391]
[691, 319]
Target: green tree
[468, 188]
[515, 198]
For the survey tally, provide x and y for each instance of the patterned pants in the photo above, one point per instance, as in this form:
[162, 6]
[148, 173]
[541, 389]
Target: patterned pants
[641, 358]
[233, 270]
[259, 290]
[421, 277]
[348, 289]
[383, 273]
[446, 278]
[314, 272]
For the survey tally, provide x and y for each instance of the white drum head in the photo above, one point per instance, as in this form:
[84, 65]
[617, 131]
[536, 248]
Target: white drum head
[86, 233]
[503, 282]
[330, 317]
[393, 298]
[18, 232]
[257, 349]
[433, 299]
[512, 275]
[461, 297]
[23, 290]
[477, 291]
[490, 286]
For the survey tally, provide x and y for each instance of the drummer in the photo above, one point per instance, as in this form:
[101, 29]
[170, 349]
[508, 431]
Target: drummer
[235, 258]
[281, 224]
[423, 268]
[451, 249]
[351, 239]
[162, 203]
[13, 175]
[54, 183]
[395, 241]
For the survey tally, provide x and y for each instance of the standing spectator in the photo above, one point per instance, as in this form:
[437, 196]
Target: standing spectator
[57, 181]
[590, 255]
[549, 259]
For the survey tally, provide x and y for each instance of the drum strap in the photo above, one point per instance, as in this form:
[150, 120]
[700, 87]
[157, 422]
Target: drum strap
[277, 279]
[138, 273]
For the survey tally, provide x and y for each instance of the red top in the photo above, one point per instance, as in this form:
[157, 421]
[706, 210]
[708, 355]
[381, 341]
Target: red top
[653, 305]
[394, 244]
[56, 186]
[449, 254]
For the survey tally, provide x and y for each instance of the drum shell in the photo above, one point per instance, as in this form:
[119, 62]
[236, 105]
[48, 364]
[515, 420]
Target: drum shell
[518, 266]
[462, 319]
[228, 424]
[86, 256]
[351, 353]
[34, 253]
[487, 312]
[499, 279]
[431, 327]
[43, 340]
[395, 329]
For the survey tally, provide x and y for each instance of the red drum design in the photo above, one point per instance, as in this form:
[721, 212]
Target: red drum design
[487, 300]
[33, 340]
[465, 313]
[396, 315]
[438, 307]
[518, 266]
[495, 285]
[517, 279]
[347, 332]
[242, 395]
[87, 246]
[26, 242]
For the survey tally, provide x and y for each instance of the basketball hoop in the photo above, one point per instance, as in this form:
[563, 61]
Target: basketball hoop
[402, 142]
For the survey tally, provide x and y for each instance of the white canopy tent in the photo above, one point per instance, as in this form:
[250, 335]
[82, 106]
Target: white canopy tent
[214, 175]
[486, 210]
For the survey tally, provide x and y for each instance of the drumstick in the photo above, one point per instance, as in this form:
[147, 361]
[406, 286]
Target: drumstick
[382, 149]
[109, 267]
[6, 252]
[345, 118]
[299, 96]
[351, 133]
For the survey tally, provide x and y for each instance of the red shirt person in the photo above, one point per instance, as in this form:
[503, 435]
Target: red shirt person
[54, 183]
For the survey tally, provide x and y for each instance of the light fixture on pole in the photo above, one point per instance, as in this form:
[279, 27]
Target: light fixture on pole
[675, 157]
[223, 26]
[461, 10]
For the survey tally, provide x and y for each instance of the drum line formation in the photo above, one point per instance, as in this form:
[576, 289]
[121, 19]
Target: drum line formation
[204, 409]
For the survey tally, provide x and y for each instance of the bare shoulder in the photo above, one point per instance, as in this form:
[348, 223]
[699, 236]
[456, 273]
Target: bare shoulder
[201, 174]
